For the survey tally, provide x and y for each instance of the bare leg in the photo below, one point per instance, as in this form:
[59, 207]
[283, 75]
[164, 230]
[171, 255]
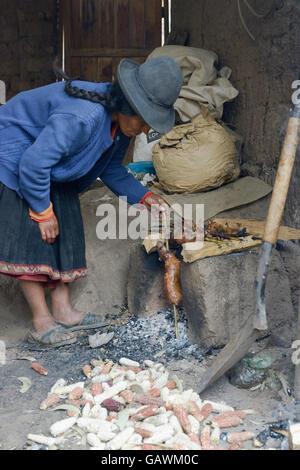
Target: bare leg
[62, 308]
[42, 319]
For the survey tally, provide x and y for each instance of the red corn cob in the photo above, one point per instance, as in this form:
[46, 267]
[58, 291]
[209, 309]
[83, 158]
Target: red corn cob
[38, 368]
[145, 413]
[183, 418]
[145, 399]
[51, 400]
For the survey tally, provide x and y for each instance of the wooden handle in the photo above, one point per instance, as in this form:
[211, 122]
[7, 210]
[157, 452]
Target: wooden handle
[282, 181]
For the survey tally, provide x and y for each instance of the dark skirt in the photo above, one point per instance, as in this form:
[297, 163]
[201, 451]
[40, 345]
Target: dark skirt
[24, 254]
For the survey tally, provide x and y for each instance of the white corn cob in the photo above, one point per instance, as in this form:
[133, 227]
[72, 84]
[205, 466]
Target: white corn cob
[162, 410]
[174, 422]
[119, 399]
[147, 426]
[158, 420]
[105, 387]
[93, 440]
[101, 378]
[87, 396]
[164, 394]
[187, 396]
[135, 439]
[97, 363]
[161, 381]
[62, 426]
[219, 407]
[161, 434]
[97, 370]
[105, 436]
[68, 388]
[44, 440]
[120, 439]
[88, 423]
[195, 425]
[148, 363]
[154, 374]
[158, 366]
[146, 385]
[134, 409]
[130, 375]
[115, 372]
[58, 384]
[114, 390]
[143, 375]
[124, 361]
[182, 439]
[86, 410]
[215, 435]
[175, 398]
[101, 447]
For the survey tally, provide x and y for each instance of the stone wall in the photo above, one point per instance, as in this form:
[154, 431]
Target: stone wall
[28, 43]
[263, 72]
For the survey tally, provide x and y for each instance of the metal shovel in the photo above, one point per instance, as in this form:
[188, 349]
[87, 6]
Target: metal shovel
[252, 329]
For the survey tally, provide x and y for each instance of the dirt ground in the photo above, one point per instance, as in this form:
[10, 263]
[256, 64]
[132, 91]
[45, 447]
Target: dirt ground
[20, 413]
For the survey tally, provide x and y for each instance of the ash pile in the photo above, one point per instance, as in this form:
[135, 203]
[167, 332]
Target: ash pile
[153, 337]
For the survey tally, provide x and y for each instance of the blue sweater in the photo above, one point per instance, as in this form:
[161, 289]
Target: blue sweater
[46, 135]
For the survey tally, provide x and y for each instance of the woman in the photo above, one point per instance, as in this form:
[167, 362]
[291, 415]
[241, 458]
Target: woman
[55, 141]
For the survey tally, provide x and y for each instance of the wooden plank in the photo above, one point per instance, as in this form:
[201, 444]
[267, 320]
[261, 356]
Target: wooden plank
[137, 23]
[110, 52]
[88, 18]
[66, 4]
[75, 67]
[196, 250]
[105, 69]
[256, 228]
[74, 13]
[105, 23]
[153, 13]
[121, 24]
[89, 68]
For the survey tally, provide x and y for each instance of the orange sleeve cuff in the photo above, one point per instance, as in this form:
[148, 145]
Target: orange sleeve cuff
[146, 195]
[44, 216]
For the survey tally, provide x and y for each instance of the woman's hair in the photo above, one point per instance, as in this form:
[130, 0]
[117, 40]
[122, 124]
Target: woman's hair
[113, 100]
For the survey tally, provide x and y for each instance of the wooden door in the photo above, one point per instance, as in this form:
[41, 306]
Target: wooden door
[99, 33]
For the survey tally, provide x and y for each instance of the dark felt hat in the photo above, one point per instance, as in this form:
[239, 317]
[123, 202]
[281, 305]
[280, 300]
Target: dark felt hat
[151, 89]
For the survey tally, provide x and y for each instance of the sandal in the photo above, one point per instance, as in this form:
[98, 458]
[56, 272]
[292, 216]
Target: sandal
[89, 321]
[51, 337]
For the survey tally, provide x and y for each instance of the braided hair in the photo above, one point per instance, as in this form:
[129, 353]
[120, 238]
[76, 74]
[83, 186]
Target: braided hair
[113, 100]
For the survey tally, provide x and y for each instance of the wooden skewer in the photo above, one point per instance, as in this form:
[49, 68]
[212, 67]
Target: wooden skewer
[176, 320]
[165, 229]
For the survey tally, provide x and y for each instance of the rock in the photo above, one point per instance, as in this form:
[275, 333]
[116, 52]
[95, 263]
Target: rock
[104, 289]
[145, 288]
[219, 296]
[290, 254]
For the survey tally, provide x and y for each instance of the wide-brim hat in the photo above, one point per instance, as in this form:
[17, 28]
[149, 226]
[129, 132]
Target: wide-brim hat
[151, 89]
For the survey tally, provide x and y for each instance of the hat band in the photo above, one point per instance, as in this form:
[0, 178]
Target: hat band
[149, 96]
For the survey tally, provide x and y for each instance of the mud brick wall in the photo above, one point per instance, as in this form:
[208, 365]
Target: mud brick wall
[28, 43]
[263, 72]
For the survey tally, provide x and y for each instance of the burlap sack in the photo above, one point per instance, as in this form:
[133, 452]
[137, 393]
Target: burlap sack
[196, 157]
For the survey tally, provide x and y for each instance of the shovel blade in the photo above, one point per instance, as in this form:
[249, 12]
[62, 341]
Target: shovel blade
[233, 352]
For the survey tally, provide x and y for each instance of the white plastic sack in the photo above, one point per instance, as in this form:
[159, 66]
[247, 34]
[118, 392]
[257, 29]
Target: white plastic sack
[142, 150]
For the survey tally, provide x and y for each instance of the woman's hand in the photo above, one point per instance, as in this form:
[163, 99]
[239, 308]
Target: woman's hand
[49, 230]
[156, 204]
